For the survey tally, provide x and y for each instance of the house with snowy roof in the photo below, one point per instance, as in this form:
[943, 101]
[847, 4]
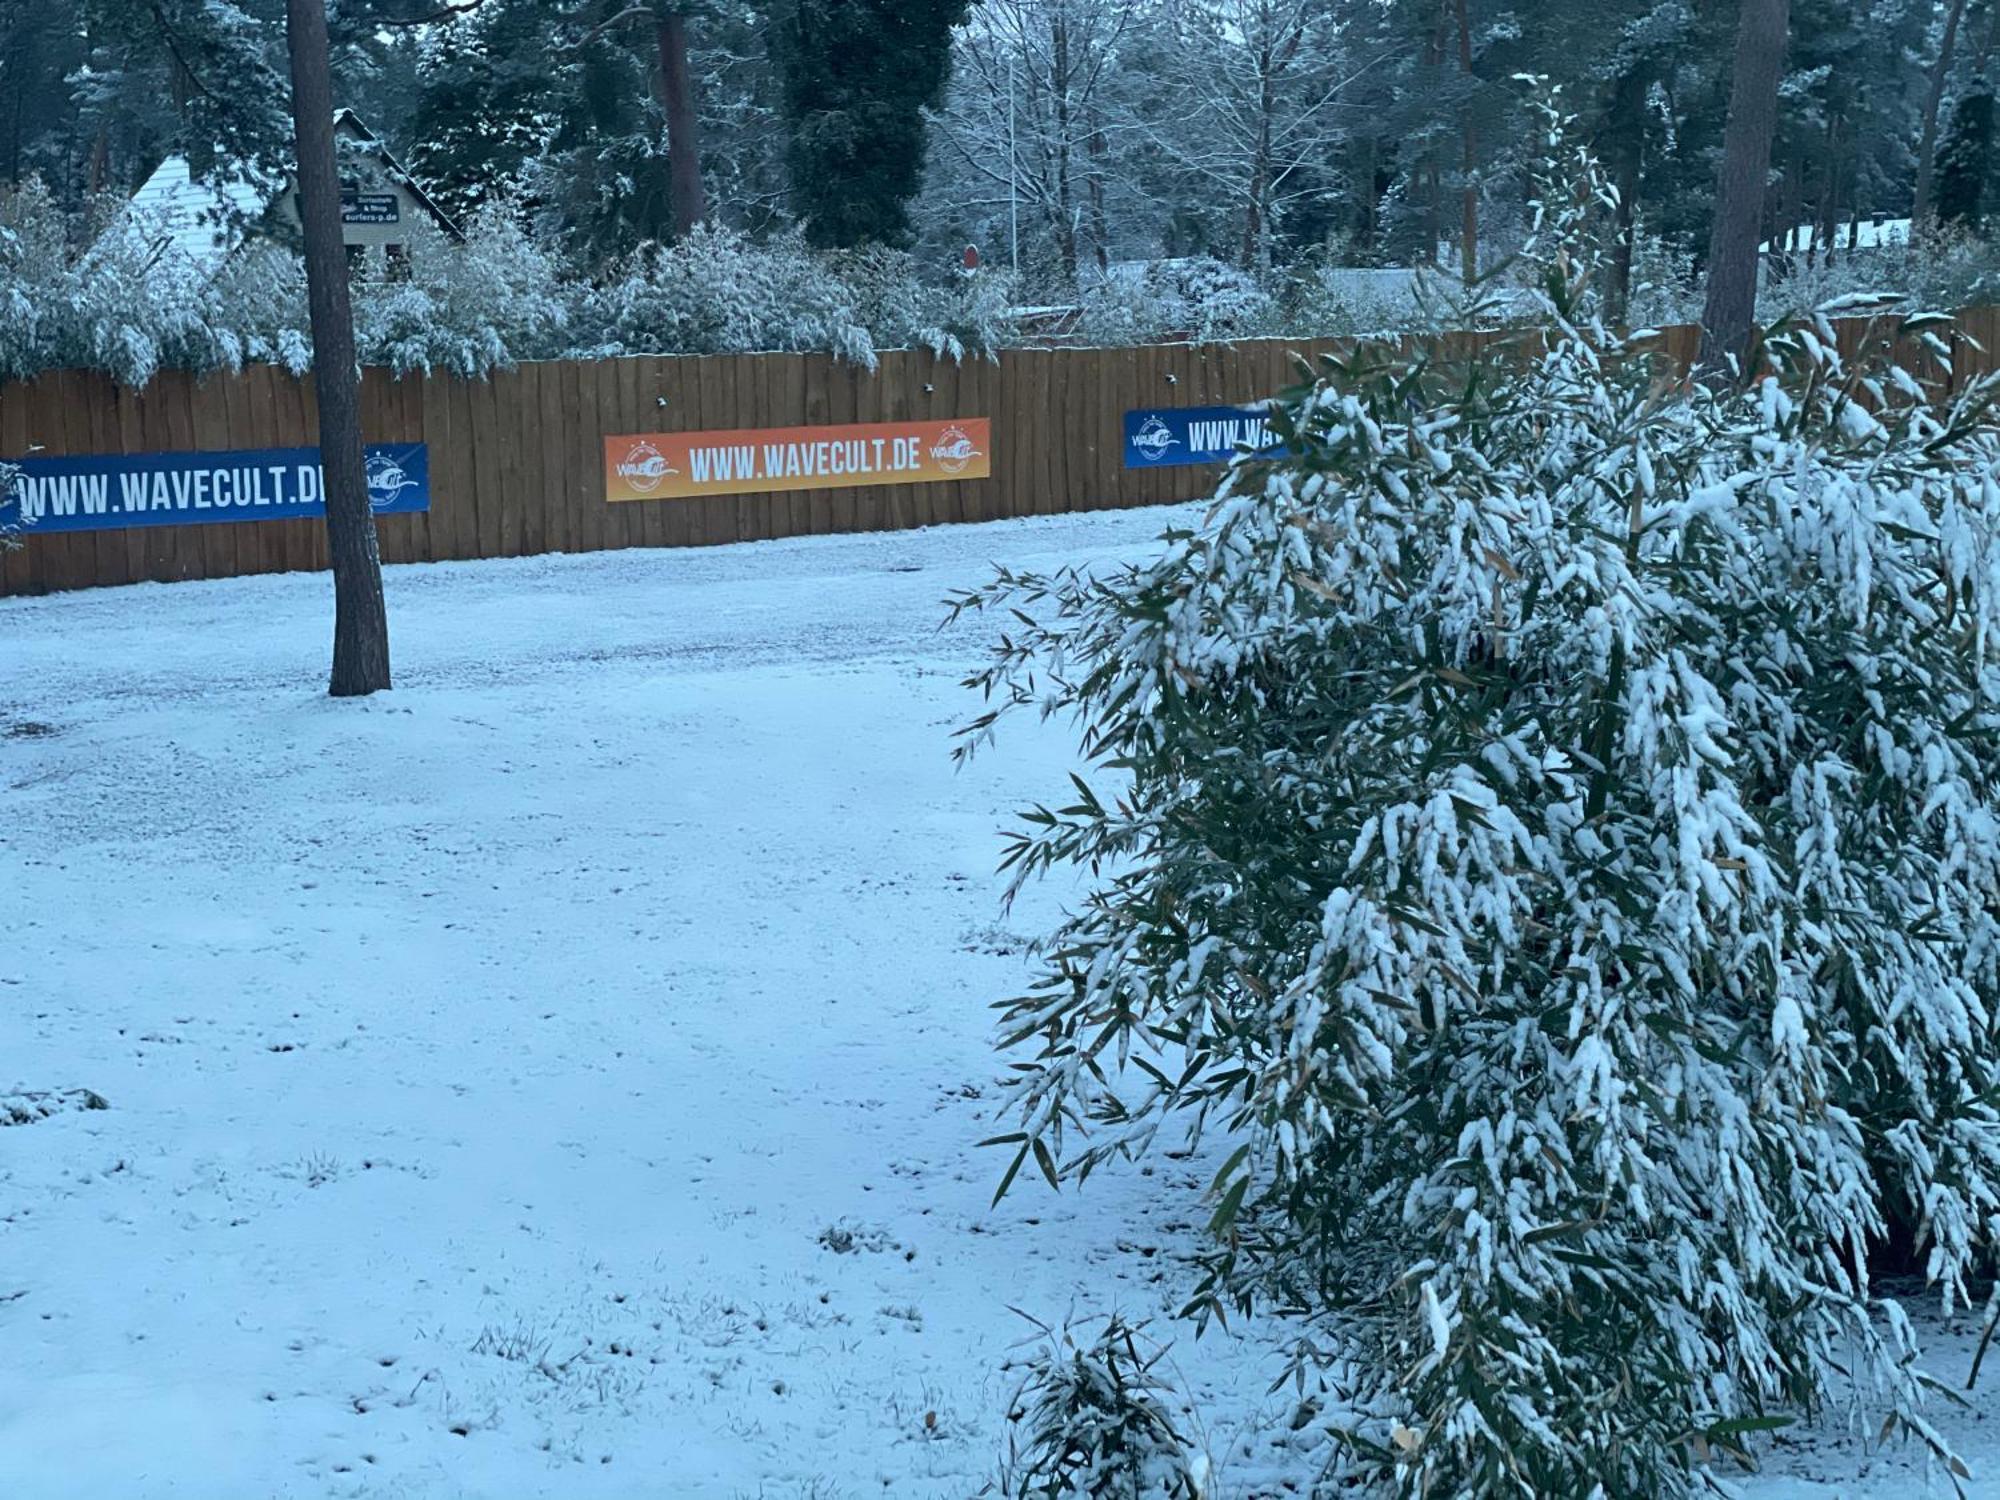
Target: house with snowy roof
[205, 218]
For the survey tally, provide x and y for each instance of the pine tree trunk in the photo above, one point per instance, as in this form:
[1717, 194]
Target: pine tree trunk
[1256, 220]
[1368, 212]
[361, 621]
[1933, 97]
[1469, 152]
[1059, 84]
[690, 206]
[1731, 308]
[1623, 153]
[1099, 151]
[1829, 204]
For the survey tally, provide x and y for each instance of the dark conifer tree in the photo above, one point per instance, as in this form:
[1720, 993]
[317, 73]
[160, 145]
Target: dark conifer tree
[856, 77]
[1965, 160]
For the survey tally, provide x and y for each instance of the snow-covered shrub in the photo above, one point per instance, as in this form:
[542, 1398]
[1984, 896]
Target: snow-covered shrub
[1547, 826]
[717, 291]
[103, 294]
[1666, 288]
[1320, 300]
[901, 309]
[461, 308]
[1947, 268]
[1095, 1424]
[259, 294]
[97, 297]
[1197, 298]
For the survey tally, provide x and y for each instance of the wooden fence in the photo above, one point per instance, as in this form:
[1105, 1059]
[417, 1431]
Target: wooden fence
[517, 460]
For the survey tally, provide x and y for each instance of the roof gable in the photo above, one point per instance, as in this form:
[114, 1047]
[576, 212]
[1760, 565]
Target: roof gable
[202, 220]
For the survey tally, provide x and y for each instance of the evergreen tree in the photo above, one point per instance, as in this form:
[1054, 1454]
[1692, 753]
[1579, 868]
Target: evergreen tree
[856, 77]
[1965, 160]
[513, 105]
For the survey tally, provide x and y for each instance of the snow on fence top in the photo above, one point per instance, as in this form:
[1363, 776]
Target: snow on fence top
[517, 466]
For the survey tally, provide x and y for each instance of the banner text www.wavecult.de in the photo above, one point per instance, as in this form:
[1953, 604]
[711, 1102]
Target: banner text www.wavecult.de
[1164, 437]
[682, 465]
[104, 492]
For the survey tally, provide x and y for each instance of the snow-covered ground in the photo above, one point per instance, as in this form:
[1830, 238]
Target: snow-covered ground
[559, 1077]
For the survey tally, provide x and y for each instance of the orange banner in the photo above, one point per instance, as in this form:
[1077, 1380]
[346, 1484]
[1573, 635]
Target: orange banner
[681, 465]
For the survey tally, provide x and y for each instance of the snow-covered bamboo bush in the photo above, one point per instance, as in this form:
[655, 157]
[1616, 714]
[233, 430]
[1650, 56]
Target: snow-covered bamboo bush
[102, 294]
[464, 309]
[717, 291]
[1094, 1422]
[1945, 268]
[1197, 298]
[1544, 822]
[104, 299]
[964, 316]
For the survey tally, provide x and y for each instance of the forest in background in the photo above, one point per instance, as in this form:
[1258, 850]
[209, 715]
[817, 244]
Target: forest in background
[808, 173]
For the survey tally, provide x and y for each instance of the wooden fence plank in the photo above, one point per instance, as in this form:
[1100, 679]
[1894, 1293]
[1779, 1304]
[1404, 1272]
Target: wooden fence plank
[582, 494]
[776, 407]
[318, 550]
[600, 415]
[626, 414]
[658, 523]
[409, 428]
[764, 509]
[377, 402]
[617, 395]
[702, 518]
[145, 430]
[253, 538]
[298, 402]
[946, 397]
[109, 555]
[606, 521]
[208, 422]
[532, 463]
[17, 563]
[472, 421]
[167, 549]
[434, 417]
[547, 461]
[66, 557]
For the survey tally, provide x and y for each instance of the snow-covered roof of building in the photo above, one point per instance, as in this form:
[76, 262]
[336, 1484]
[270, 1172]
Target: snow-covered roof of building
[1869, 234]
[202, 219]
[347, 122]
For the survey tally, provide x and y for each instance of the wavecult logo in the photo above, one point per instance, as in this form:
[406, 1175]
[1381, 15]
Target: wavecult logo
[644, 467]
[1153, 438]
[954, 450]
[386, 481]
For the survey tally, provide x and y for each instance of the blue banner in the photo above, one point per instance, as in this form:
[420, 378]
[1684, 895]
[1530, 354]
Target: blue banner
[1159, 437]
[103, 492]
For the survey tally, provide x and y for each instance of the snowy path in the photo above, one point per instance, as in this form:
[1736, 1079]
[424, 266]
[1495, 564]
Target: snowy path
[556, 1078]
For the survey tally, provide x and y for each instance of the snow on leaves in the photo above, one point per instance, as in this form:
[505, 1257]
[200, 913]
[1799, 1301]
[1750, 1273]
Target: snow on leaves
[1555, 844]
